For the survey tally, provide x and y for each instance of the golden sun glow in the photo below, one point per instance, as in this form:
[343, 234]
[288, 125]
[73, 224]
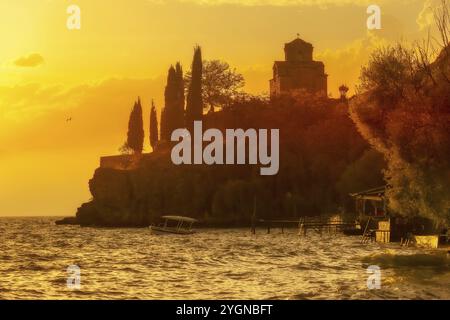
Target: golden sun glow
[123, 50]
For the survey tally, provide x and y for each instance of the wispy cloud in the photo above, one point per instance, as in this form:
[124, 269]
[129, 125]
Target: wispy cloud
[31, 60]
[319, 3]
[426, 16]
[344, 65]
[100, 112]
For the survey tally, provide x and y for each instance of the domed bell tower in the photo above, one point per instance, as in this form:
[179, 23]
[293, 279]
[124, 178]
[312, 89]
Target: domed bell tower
[298, 72]
[298, 51]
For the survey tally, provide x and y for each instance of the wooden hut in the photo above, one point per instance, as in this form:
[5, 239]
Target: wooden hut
[380, 225]
[371, 207]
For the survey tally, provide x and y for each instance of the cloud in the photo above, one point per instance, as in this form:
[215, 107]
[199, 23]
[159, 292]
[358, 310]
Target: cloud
[99, 113]
[319, 3]
[344, 65]
[52, 159]
[32, 60]
[426, 16]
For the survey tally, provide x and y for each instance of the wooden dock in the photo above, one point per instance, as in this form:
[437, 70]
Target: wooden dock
[320, 224]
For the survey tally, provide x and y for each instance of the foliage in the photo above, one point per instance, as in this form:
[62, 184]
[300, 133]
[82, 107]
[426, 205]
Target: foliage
[318, 147]
[403, 110]
[221, 84]
[135, 136]
[125, 149]
[153, 127]
[363, 174]
[194, 101]
[174, 102]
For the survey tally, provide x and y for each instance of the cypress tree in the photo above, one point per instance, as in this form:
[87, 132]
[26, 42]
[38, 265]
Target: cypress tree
[135, 136]
[179, 99]
[172, 116]
[169, 104]
[194, 101]
[163, 132]
[153, 127]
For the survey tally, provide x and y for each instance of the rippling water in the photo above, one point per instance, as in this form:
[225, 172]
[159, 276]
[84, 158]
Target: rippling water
[212, 264]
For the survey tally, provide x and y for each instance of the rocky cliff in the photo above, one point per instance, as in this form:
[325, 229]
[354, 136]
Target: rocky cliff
[318, 147]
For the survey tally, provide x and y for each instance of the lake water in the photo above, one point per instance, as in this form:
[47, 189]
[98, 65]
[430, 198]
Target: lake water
[212, 264]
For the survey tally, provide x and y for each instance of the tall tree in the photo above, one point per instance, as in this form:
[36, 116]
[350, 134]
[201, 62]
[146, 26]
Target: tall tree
[221, 84]
[163, 132]
[194, 101]
[153, 127]
[173, 102]
[135, 136]
[179, 97]
[170, 96]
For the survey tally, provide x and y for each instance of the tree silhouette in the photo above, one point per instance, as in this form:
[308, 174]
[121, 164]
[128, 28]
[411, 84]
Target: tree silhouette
[194, 101]
[178, 120]
[220, 84]
[135, 136]
[174, 102]
[163, 130]
[153, 127]
[402, 110]
[320, 147]
[169, 104]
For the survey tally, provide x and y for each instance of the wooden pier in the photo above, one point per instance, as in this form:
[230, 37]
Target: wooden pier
[319, 223]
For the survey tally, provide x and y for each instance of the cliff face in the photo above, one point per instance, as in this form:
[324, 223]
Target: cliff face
[135, 198]
[112, 202]
[125, 197]
[318, 144]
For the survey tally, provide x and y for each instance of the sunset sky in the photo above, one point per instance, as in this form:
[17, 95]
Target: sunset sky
[123, 50]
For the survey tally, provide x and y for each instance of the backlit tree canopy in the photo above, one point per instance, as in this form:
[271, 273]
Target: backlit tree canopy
[403, 110]
[220, 84]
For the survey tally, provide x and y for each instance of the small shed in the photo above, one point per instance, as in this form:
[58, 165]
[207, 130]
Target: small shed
[380, 225]
[371, 203]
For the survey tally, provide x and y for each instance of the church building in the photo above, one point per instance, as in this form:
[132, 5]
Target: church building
[298, 71]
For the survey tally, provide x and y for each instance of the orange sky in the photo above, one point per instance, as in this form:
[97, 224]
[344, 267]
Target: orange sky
[124, 48]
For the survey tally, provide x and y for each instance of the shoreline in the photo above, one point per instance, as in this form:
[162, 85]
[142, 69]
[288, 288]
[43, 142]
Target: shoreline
[225, 226]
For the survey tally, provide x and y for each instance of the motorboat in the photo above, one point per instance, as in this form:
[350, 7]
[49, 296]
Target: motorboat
[174, 225]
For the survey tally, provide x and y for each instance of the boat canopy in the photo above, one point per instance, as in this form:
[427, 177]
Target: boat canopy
[179, 218]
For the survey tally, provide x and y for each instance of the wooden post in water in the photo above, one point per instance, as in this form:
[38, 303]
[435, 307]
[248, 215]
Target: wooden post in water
[254, 216]
[253, 226]
[302, 226]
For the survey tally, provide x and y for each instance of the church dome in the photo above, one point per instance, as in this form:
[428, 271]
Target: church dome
[298, 50]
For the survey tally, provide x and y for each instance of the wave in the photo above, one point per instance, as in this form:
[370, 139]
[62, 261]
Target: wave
[390, 259]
